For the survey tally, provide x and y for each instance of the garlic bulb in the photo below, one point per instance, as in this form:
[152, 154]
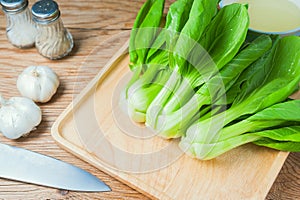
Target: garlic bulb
[18, 116]
[38, 83]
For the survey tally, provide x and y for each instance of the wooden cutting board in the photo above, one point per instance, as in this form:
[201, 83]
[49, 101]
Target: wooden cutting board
[95, 129]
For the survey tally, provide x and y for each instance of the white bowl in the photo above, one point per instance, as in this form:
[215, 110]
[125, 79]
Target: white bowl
[292, 31]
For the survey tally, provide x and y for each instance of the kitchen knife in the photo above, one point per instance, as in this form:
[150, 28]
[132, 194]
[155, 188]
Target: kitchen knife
[30, 167]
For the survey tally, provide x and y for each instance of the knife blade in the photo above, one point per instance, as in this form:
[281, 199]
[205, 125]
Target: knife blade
[27, 166]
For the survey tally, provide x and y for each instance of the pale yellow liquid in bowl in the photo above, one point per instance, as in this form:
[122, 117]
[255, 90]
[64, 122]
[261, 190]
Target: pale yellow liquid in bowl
[272, 15]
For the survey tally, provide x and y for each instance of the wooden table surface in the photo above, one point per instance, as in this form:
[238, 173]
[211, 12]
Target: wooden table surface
[90, 22]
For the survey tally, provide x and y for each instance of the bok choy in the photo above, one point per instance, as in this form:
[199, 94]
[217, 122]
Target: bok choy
[278, 78]
[198, 78]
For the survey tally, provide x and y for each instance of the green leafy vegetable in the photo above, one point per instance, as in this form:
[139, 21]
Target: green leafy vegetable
[143, 87]
[279, 145]
[174, 123]
[279, 122]
[285, 134]
[200, 80]
[276, 115]
[145, 30]
[281, 76]
[200, 16]
[178, 15]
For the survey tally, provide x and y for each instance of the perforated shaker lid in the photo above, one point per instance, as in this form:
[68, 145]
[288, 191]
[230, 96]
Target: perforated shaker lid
[45, 11]
[13, 5]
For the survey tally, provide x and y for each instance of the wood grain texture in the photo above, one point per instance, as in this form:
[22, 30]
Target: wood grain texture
[95, 129]
[90, 22]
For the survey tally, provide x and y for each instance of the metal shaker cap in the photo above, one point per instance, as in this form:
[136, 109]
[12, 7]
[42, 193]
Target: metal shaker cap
[13, 6]
[45, 11]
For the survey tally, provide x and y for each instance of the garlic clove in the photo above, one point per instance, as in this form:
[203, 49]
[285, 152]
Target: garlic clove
[38, 83]
[18, 116]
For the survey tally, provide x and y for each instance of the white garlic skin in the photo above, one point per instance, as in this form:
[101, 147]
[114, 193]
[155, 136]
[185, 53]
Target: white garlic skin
[38, 83]
[18, 116]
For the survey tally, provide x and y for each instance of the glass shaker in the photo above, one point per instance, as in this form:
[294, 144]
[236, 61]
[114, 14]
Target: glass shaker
[53, 40]
[20, 29]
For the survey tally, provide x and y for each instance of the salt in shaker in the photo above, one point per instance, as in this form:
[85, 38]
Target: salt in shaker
[53, 40]
[20, 29]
